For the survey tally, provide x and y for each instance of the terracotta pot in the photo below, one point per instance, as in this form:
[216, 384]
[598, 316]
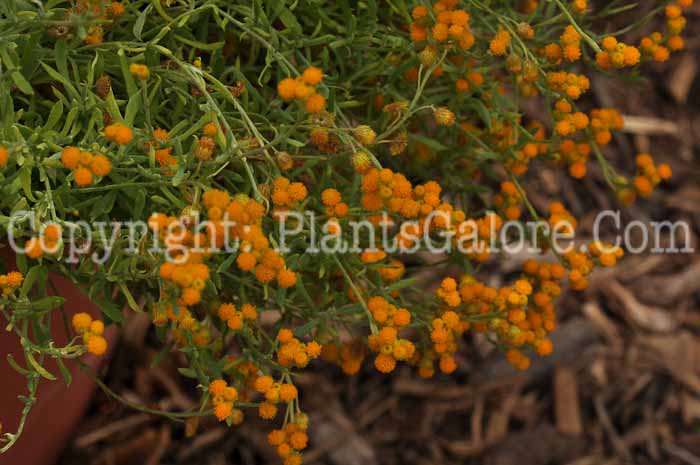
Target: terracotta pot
[58, 408]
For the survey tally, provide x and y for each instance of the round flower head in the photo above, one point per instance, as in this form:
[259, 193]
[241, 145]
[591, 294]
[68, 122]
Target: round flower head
[312, 76]
[286, 89]
[139, 71]
[70, 157]
[119, 133]
[81, 322]
[82, 176]
[100, 165]
[97, 345]
[315, 103]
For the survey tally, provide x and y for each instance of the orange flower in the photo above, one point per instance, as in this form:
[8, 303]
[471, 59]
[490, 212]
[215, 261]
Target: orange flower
[82, 176]
[312, 76]
[315, 103]
[70, 157]
[100, 165]
[119, 133]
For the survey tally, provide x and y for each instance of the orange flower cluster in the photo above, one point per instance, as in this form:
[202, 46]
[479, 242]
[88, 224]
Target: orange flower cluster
[575, 155]
[508, 200]
[290, 440]
[604, 120]
[605, 254]
[447, 327]
[190, 277]
[386, 342]
[223, 400]
[570, 41]
[274, 393]
[293, 352]
[333, 201]
[521, 315]
[451, 27]
[84, 165]
[287, 194]
[246, 215]
[658, 46]
[119, 133]
[386, 189]
[303, 88]
[649, 175]
[92, 332]
[235, 318]
[617, 54]
[49, 242]
[581, 266]
[567, 121]
[10, 281]
[163, 155]
[500, 43]
[560, 219]
[572, 85]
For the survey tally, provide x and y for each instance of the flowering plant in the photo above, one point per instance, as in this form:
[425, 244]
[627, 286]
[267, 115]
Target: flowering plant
[183, 158]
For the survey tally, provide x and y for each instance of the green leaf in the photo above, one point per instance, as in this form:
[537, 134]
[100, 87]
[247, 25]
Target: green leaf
[132, 109]
[200, 45]
[188, 372]
[130, 298]
[54, 116]
[22, 83]
[13, 363]
[104, 205]
[113, 107]
[47, 303]
[430, 143]
[131, 88]
[55, 75]
[36, 274]
[110, 311]
[140, 21]
[25, 177]
[70, 119]
[67, 377]
[62, 57]
[38, 368]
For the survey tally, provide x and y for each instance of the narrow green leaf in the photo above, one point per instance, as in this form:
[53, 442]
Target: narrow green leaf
[36, 274]
[65, 372]
[131, 88]
[22, 83]
[38, 368]
[13, 363]
[54, 116]
[132, 109]
[130, 298]
[55, 75]
[140, 21]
